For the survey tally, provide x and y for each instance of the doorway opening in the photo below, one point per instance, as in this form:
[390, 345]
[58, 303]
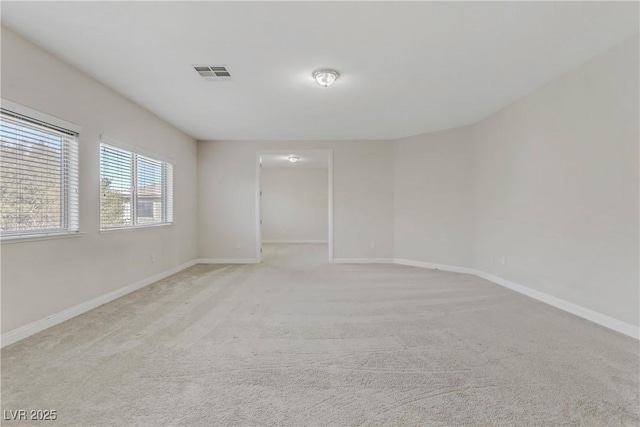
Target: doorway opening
[294, 199]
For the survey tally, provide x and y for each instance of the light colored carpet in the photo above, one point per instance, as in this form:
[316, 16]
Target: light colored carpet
[297, 342]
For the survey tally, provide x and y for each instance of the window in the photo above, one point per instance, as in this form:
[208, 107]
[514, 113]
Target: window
[135, 190]
[38, 177]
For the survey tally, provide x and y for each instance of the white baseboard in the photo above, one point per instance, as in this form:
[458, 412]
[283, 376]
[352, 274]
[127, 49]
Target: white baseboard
[362, 261]
[585, 313]
[296, 241]
[49, 321]
[432, 266]
[227, 261]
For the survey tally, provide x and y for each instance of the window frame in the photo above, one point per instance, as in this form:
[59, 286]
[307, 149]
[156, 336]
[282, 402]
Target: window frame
[70, 160]
[135, 151]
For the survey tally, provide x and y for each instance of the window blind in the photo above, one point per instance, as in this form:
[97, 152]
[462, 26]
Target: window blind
[135, 190]
[38, 177]
[168, 171]
[116, 187]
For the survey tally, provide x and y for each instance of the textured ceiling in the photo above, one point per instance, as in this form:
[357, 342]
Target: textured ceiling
[307, 159]
[406, 67]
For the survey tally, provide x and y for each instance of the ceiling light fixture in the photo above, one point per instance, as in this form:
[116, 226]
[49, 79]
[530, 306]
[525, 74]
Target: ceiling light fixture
[325, 77]
[293, 159]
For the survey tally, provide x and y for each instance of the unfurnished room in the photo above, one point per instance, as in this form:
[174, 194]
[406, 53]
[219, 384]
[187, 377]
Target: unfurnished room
[319, 213]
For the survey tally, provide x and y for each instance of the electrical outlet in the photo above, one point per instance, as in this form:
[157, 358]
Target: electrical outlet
[503, 260]
[237, 245]
[372, 245]
[153, 257]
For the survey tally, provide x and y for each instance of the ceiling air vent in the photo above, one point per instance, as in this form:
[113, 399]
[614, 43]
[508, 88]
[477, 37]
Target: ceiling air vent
[214, 73]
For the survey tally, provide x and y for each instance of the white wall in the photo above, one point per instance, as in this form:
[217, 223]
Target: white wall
[363, 195]
[433, 198]
[556, 187]
[45, 277]
[294, 204]
[550, 183]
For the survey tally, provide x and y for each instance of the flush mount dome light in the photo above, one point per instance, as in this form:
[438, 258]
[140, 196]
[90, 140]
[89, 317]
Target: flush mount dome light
[293, 159]
[325, 77]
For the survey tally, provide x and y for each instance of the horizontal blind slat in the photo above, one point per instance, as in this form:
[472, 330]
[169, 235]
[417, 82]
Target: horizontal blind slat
[11, 116]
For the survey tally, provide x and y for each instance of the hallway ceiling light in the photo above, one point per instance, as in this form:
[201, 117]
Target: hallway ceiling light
[325, 77]
[293, 159]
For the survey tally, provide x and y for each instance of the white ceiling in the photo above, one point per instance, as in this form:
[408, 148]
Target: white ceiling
[307, 159]
[406, 67]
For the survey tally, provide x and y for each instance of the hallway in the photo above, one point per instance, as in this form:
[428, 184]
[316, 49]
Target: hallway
[294, 255]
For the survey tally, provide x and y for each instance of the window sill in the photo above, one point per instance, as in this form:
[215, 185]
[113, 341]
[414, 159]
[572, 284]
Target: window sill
[38, 237]
[136, 228]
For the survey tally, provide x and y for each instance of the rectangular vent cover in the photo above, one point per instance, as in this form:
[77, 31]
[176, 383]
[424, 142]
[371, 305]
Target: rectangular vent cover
[214, 73]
